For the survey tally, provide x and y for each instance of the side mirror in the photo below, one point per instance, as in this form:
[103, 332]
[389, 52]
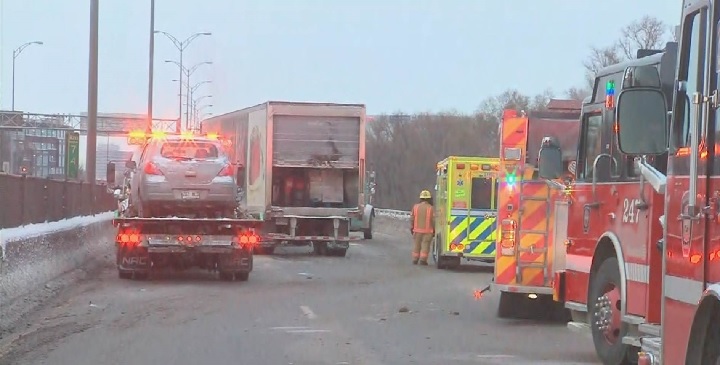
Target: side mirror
[130, 164]
[240, 175]
[642, 122]
[550, 162]
[110, 174]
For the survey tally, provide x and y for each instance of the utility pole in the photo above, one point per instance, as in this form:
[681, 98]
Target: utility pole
[91, 160]
[151, 66]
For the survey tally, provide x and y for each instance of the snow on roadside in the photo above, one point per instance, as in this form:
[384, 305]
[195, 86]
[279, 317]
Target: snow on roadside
[39, 229]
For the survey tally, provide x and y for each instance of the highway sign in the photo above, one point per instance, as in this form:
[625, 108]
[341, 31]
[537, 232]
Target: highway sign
[72, 154]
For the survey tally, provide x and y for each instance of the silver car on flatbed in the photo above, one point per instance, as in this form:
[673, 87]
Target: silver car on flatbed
[183, 176]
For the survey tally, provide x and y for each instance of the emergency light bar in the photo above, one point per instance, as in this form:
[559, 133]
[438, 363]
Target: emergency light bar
[140, 137]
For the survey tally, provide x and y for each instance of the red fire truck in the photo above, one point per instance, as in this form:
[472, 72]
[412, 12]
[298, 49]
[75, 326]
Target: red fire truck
[640, 272]
[530, 243]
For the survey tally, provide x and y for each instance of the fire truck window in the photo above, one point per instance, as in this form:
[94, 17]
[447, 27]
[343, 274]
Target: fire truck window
[593, 142]
[691, 71]
[482, 189]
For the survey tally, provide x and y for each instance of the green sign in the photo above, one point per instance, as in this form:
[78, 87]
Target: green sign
[72, 154]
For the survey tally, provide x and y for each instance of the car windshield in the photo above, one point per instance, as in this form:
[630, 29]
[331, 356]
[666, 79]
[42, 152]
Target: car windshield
[189, 150]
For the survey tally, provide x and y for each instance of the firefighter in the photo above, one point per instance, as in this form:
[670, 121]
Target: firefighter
[422, 227]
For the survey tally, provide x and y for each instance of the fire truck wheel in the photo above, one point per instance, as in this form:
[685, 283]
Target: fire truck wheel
[711, 347]
[510, 306]
[604, 303]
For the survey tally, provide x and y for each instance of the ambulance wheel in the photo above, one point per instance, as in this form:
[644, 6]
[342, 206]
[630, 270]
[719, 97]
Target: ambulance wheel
[606, 323]
[435, 250]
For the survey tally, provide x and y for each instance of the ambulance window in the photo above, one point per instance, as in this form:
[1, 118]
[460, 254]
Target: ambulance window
[593, 142]
[482, 189]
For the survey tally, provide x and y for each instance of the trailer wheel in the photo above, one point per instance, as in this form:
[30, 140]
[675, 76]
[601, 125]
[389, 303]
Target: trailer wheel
[337, 252]
[320, 248]
[264, 250]
[606, 323]
[368, 232]
[243, 276]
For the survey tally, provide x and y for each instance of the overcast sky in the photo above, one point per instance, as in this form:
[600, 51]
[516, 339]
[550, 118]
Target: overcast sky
[410, 55]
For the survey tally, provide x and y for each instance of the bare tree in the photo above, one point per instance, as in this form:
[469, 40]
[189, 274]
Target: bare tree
[599, 58]
[577, 93]
[646, 33]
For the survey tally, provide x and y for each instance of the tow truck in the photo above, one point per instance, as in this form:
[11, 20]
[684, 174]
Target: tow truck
[641, 271]
[530, 241]
[465, 197]
[180, 241]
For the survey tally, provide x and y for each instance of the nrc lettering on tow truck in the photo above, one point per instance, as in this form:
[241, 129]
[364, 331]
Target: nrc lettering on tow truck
[465, 205]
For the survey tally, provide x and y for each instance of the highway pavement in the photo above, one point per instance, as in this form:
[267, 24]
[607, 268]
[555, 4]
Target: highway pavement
[371, 307]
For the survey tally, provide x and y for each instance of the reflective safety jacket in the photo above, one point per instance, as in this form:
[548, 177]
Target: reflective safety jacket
[422, 218]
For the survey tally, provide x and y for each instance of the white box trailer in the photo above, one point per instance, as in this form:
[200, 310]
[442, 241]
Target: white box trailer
[304, 169]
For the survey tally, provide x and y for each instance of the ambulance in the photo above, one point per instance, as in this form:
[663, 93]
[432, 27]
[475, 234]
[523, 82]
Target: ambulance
[465, 210]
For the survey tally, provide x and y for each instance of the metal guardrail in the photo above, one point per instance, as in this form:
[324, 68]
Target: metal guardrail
[392, 213]
[28, 200]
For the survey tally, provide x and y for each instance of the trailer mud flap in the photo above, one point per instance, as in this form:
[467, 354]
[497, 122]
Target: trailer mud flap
[133, 259]
[238, 260]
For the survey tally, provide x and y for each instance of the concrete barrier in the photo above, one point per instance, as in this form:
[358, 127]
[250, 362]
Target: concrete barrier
[40, 259]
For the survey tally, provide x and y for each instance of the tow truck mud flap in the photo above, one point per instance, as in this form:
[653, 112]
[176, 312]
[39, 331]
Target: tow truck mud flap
[338, 245]
[133, 259]
[238, 260]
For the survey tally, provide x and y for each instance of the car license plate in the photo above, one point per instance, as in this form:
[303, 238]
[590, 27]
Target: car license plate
[191, 194]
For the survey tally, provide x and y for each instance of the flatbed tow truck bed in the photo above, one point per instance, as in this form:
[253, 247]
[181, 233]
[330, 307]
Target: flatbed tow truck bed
[222, 245]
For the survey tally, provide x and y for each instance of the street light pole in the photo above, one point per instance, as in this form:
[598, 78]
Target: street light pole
[151, 68]
[188, 73]
[90, 160]
[181, 46]
[16, 53]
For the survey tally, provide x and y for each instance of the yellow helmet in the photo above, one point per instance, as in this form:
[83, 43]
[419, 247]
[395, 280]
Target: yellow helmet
[425, 195]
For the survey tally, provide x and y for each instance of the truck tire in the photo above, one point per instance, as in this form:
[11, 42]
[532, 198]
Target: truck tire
[606, 323]
[234, 276]
[320, 248]
[510, 305]
[337, 252]
[368, 232]
[711, 345]
[264, 250]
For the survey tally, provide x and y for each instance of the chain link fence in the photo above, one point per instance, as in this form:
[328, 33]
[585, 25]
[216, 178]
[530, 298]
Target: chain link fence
[27, 200]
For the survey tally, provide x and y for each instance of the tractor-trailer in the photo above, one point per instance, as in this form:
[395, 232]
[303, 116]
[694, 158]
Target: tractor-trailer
[304, 169]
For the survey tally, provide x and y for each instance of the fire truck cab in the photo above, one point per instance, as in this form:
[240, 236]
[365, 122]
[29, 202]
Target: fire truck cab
[639, 274]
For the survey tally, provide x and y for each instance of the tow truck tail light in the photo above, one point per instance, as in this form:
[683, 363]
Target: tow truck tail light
[226, 171]
[507, 236]
[128, 238]
[152, 169]
[248, 239]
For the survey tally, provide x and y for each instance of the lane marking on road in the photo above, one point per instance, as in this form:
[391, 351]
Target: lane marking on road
[287, 328]
[495, 356]
[308, 312]
[307, 331]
